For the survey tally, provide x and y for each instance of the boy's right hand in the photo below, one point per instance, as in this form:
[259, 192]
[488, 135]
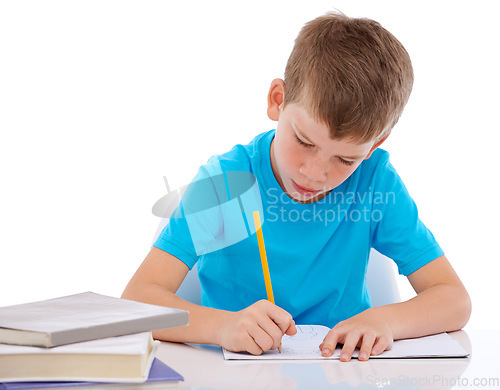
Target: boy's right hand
[256, 329]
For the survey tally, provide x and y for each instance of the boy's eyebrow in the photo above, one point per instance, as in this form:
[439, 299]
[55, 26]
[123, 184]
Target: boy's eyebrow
[308, 140]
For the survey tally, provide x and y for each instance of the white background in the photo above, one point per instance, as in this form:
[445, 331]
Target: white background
[100, 99]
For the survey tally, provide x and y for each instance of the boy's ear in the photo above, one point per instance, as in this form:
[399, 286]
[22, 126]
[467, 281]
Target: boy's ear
[275, 99]
[376, 145]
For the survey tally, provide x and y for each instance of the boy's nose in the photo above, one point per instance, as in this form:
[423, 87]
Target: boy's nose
[314, 170]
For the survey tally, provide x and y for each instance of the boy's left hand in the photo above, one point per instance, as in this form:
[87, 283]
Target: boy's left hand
[368, 331]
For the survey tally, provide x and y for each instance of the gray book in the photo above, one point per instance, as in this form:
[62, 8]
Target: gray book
[82, 317]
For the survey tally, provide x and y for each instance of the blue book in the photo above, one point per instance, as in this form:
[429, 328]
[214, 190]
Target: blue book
[160, 375]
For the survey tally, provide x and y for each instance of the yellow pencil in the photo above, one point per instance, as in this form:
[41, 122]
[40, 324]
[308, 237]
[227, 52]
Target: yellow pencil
[263, 259]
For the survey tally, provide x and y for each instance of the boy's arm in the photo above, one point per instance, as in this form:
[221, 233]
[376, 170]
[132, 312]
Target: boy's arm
[442, 304]
[255, 329]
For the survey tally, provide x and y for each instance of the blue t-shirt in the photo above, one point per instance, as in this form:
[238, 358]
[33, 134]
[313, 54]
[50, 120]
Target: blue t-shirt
[317, 252]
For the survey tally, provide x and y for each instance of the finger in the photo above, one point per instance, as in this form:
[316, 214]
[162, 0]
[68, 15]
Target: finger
[292, 329]
[251, 346]
[263, 339]
[351, 341]
[383, 343]
[280, 317]
[329, 344]
[271, 329]
[366, 345]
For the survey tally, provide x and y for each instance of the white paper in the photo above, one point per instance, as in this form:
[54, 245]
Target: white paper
[305, 345]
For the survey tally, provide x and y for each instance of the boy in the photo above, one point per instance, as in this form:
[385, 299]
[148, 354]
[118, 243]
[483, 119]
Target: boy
[327, 194]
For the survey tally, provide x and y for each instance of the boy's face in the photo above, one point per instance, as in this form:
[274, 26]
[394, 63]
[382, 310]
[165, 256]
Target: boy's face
[307, 163]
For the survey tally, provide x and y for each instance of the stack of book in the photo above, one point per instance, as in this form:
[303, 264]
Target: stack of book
[84, 340]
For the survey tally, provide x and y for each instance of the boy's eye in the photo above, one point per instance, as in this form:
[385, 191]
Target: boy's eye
[306, 145]
[302, 142]
[345, 162]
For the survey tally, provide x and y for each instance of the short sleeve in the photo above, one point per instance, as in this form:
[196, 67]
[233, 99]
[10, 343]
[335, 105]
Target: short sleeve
[190, 228]
[396, 229]
[213, 213]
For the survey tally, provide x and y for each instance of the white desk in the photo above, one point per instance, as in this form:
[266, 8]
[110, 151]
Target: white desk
[203, 367]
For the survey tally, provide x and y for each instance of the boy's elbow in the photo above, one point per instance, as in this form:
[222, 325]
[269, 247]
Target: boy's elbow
[132, 291]
[467, 309]
[464, 309]
[128, 293]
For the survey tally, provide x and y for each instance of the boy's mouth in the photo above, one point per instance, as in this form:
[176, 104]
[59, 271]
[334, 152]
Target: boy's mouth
[303, 190]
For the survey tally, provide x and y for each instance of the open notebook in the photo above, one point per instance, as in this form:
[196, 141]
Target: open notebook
[305, 345]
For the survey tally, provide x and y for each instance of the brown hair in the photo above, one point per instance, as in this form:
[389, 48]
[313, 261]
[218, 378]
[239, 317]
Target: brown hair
[351, 74]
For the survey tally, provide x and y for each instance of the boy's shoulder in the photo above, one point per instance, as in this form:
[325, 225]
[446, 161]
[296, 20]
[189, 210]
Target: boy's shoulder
[377, 171]
[377, 161]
